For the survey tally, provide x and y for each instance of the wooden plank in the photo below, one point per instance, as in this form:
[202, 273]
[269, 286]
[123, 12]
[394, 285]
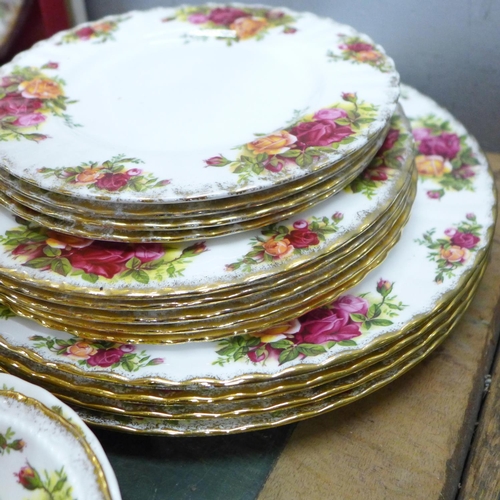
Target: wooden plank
[482, 474]
[410, 439]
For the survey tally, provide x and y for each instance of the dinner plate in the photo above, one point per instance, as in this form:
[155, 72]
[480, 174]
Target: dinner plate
[117, 97]
[293, 393]
[48, 449]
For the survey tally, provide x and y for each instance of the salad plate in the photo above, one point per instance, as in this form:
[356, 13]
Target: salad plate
[448, 235]
[47, 448]
[344, 94]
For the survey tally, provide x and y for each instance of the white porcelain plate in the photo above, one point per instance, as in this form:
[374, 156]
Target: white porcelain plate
[190, 103]
[46, 451]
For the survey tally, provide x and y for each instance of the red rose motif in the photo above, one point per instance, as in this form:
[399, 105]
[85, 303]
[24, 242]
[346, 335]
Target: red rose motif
[323, 325]
[303, 238]
[445, 145]
[31, 250]
[16, 105]
[390, 140]
[376, 174]
[84, 33]
[112, 182]
[319, 133]
[225, 16]
[358, 47]
[105, 358]
[102, 258]
[149, 251]
[465, 240]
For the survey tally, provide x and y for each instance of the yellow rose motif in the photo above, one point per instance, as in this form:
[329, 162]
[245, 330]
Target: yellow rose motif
[103, 27]
[278, 248]
[81, 350]
[247, 27]
[272, 144]
[432, 165]
[454, 254]
[367, 56]
[88, 176]
[40, 88]
[278, 332]
[59, 240]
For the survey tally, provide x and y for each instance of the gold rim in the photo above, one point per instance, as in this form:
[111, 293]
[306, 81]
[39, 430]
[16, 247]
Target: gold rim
[72, 429]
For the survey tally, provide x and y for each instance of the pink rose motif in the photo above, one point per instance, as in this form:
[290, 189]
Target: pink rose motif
[323, 325]
[319, 133]
[224, 16]
[420, 134]
[7, 81]
[300, 238]
[127, 348]
[84, 33]
[105, 358]
[351, 304]
[301, 224]
[435, 194]
[102, 258]
[330, 114]
[198, 18]
[148, 252]
[112, 182]
[132, 172]
[445, 145]
[390, 140]
[357, 47]
[29, 120]
[465, 240]
[16, 105]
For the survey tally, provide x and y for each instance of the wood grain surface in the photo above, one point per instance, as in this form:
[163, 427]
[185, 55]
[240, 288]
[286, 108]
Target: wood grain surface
[410, 440]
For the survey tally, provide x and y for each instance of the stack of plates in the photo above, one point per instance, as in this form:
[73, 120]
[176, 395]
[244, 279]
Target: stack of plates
[168, 166]
[298, 316]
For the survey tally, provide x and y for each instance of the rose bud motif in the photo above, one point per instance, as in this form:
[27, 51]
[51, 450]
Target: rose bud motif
[349, 96]
[337, 216]
[217, 161]
[470, 216]
[289, 30]
[17, 445]
[384, 287]
[435, 194]
[29, 478]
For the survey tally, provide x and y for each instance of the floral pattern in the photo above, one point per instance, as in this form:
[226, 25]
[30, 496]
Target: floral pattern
[359, 51]
[91, 260]
[27, 97]
[110, 176]
[54, 485]
[101, 354]
[443, 156]
[384, 164]
[317, 331]
[244, 22]
[277, 241]
[453, 250]
[98, 32]
[7, 444]
[305, 143]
